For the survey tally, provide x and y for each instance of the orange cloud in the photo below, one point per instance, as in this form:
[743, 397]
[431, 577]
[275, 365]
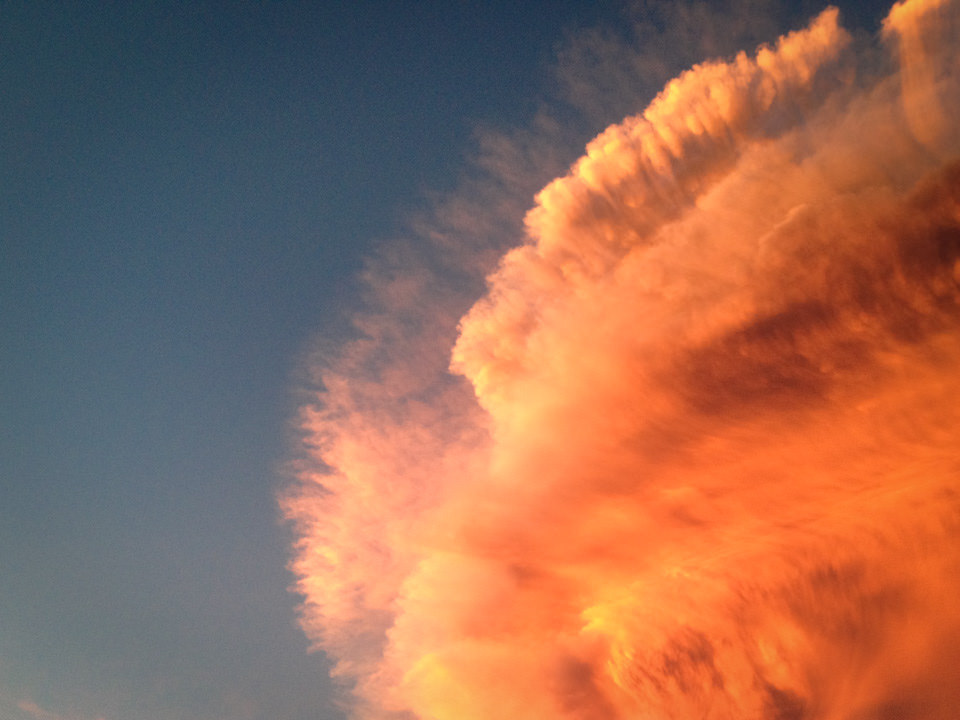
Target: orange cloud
[35, 711]
[701, 459]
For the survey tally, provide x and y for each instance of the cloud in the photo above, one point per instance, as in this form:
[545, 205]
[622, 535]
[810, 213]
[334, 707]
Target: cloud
[35, 711]
[697, 453]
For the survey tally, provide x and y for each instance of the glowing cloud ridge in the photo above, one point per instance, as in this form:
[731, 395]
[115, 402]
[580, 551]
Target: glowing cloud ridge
[709, 466]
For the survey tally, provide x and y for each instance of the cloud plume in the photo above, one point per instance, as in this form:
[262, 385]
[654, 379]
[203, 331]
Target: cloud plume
[694, 452]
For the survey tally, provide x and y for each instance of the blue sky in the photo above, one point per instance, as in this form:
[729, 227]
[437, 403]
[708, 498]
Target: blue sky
[187, 192]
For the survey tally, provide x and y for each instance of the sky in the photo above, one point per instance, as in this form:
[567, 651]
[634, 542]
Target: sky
[301, 372]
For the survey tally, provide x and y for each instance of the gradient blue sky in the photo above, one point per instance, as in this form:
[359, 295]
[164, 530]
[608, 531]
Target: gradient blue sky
[186, 194]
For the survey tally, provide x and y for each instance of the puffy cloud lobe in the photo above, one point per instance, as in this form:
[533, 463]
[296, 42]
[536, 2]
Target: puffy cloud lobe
[638, 175]
[715, 472]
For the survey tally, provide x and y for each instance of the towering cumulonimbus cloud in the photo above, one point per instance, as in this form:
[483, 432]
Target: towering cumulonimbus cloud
[699, 453]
